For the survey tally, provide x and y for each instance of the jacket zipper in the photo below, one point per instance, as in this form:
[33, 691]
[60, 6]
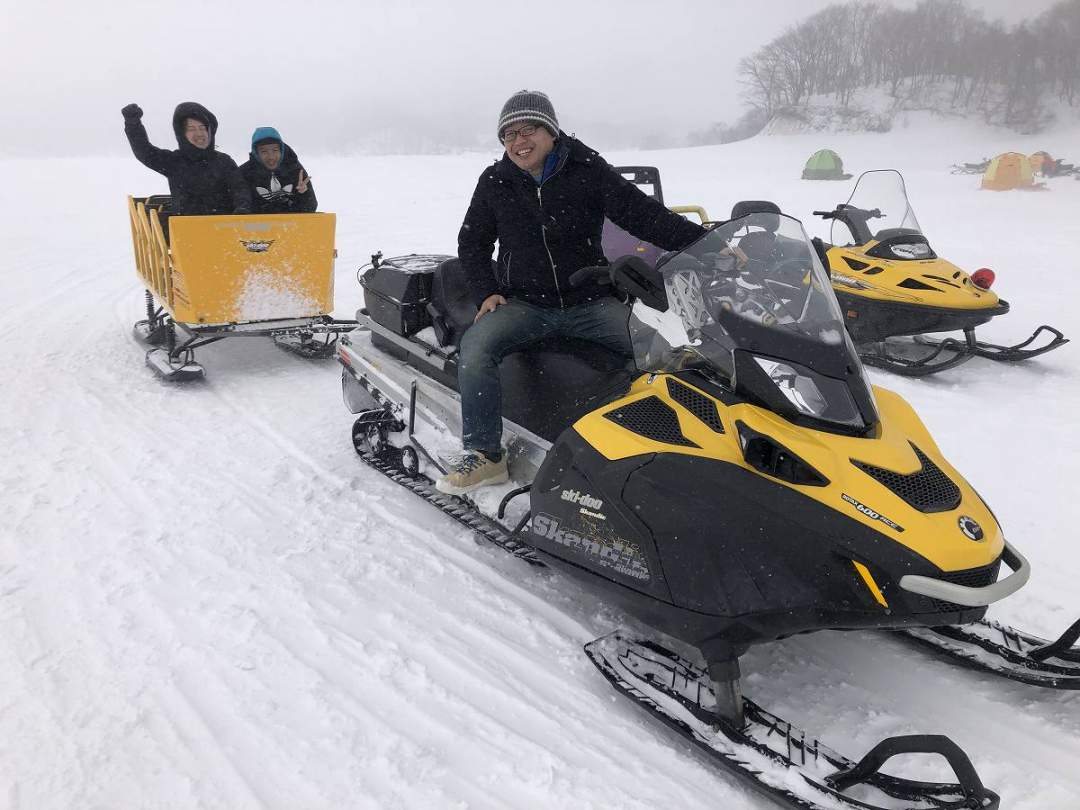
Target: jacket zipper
[543, 235]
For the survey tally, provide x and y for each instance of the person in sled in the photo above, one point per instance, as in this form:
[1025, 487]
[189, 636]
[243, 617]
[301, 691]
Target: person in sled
[544, 202]
[278, 183]
[201, 179]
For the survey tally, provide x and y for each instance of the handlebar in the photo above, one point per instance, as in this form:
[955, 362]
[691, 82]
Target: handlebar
[600, 273]
[873, 213]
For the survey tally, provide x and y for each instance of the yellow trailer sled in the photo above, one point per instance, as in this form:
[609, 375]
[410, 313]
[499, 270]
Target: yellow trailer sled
[212, 277]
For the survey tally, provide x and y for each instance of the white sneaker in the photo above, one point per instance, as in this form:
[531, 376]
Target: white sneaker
[472, 471]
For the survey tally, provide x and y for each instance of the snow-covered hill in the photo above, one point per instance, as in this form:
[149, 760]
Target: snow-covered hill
[877, 108]
[207, 602]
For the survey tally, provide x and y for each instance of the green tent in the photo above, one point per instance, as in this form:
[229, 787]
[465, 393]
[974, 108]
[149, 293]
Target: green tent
[824, 164]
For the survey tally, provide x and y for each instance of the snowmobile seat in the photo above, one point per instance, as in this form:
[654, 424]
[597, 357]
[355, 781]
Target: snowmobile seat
[758, 214]
[552, 384]
[451, 308]
[547, 386]
[762, 208]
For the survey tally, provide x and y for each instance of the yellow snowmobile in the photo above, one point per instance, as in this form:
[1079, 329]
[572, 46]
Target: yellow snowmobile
[890, 283]
[741, 482]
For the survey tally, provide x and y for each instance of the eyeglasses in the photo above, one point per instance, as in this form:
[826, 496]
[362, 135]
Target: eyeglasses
[510, 135]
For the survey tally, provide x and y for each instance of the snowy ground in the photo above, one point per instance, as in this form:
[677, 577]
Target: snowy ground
[207, 602]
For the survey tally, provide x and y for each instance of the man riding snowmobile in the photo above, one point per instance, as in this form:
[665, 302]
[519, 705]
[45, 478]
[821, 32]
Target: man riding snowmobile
[545, 204]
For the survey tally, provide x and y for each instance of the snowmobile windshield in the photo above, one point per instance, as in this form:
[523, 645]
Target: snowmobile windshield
[877, 209]
[750, 307]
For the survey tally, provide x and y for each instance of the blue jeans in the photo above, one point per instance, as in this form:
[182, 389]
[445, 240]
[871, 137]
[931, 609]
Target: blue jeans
[513, 327]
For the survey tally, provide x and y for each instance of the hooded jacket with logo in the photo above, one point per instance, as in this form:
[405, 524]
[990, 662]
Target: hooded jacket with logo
[548, 231]
[201, 181]
[274, 192]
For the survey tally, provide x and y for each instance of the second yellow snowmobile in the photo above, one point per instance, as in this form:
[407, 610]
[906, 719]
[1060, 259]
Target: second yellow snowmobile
[891, 284]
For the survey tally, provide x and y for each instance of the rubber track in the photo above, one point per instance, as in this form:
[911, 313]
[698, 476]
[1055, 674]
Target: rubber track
[461, 510]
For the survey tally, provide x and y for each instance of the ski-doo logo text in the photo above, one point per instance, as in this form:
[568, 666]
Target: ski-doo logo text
[256, 245]
[971, 529]
[870, 513]
[612, 552]
[582, 499]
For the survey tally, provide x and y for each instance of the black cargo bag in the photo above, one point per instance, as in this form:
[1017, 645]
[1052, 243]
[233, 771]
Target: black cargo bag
[397, 291]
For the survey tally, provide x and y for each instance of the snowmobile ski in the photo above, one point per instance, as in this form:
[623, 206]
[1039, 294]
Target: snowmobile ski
[951, 352]
[777, 758]
[1003, 650]
[174, 366]
[1003, 354]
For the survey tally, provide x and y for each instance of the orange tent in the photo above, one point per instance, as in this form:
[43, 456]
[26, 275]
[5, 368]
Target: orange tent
[1007, 171]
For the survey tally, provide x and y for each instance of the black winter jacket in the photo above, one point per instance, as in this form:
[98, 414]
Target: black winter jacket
[201, 181]
[283, 199]
[548, 232]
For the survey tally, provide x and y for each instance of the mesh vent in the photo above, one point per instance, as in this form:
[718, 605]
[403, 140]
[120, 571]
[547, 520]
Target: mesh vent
[652, 418]
[697, 403]
[927, 489]
[873, 271]
[855, 264]
[971, 578]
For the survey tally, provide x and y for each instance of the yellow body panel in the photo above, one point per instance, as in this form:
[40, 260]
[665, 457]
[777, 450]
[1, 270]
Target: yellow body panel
[935, 536]
[236, 269]
[955, 292]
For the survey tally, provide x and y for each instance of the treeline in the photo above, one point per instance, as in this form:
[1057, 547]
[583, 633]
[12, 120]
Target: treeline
[1004, 71]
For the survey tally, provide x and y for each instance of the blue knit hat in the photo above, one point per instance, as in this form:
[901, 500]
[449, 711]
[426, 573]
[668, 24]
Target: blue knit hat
[266, 135]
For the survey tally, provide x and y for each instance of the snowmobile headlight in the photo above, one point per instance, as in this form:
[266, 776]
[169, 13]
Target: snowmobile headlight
[912, 250]
[812, 395]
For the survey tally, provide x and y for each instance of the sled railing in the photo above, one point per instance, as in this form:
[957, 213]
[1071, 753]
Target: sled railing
[152, 261]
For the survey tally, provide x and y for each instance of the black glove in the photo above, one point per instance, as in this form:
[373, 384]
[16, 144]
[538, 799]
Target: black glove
[131, 111]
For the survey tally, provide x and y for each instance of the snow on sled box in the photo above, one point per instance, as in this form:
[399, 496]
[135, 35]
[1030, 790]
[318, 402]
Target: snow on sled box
[236, 268]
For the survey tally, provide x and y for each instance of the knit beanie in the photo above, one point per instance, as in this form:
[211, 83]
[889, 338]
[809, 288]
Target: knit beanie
[528, 105]
[264, 135]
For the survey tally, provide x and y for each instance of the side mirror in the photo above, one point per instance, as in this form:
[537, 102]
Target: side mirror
[632, 275]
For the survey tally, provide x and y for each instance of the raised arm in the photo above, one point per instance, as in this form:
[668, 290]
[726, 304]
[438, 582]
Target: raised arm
[159, 160]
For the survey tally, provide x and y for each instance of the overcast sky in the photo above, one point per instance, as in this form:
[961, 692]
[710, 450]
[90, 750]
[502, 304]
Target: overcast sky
[369, 74]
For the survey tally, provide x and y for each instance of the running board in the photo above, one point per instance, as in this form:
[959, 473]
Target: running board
[460, 509]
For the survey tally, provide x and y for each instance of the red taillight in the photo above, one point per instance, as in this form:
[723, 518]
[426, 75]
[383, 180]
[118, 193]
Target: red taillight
[983, 278]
